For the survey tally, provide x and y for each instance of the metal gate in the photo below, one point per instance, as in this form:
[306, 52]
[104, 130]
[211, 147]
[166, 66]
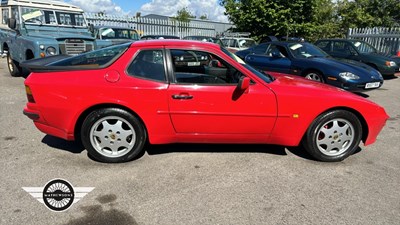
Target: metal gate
[149, 26]
[384, 39]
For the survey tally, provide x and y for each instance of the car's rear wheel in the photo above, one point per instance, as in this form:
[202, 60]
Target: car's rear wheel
[113, 135]
[13, 67]
[333, 136]
[314, 75]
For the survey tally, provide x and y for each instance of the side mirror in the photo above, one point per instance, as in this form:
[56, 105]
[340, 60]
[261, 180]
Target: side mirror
[244, 83]
[91, 28]
[12, 23]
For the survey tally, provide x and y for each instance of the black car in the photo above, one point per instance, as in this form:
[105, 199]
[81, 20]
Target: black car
[361, 51]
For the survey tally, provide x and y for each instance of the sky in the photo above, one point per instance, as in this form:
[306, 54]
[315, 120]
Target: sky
[210, 8]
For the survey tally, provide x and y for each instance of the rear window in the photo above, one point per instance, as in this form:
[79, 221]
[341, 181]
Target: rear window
[97, 58]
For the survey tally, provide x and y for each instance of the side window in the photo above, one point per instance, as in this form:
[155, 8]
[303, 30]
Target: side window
[197, 67]
[4, 13]
[235, 43]
[15, 14]
[339, 46]
[148, 64]
[270, 50]
[225, 42]
[324, 45]
[260, 49]
[283, 51]
[349, 49]
[273, 48]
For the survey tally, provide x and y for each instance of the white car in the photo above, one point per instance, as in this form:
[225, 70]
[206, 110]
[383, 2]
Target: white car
[238, 43]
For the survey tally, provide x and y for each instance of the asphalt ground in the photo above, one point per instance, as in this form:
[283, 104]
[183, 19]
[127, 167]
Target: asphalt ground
[199, 184]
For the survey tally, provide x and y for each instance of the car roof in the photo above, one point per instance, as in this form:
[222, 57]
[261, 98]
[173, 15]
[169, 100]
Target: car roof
[338, 39]
[114, 27]
[175, 42]
[199, 36]
[285, 42]
[157, 36]
[246, 38]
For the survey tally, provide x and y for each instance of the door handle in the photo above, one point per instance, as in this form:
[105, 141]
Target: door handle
[185, 97]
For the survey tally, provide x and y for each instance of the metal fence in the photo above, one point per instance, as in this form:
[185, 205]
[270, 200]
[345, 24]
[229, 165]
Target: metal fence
[384, 39]
[150, 26]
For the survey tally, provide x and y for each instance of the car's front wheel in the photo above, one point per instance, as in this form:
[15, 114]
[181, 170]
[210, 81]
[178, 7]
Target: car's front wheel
[13, 67]
[314, 75]
[113, 135]
[333, 136]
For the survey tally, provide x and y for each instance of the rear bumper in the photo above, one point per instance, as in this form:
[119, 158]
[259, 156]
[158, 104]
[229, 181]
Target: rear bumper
[31, 115]
[42, 125]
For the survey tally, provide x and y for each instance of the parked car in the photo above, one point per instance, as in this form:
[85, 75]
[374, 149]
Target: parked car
[117, 99]
[234, 44]
[204, 38]
[112, 35]
[151, 37]
[307, 60]
[360, 51]
[37, 29]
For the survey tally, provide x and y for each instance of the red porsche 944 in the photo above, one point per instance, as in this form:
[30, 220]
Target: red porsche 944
[117, 99]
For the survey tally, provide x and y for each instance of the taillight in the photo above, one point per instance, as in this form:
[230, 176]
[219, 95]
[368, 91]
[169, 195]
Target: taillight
[29, 94]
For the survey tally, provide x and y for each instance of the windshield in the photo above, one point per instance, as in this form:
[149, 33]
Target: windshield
[119, 33]
[49, 17]
[246, 43]
[93, 59]
[364, 47]
[238, 42]
[264, 76]
[305, 50]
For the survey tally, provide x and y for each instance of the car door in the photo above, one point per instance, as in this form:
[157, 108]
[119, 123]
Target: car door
[275, 59]
[204, 98]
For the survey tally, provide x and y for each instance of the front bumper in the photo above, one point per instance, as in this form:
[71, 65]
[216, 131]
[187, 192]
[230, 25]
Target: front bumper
[389, 71]
[360, 87]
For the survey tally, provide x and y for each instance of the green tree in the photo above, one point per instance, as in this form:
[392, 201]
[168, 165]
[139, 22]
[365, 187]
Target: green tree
[326, 21]
[101, 13]
[184, 15]
[369, 13]
[311, 19]
[271, 17]
[203, 17]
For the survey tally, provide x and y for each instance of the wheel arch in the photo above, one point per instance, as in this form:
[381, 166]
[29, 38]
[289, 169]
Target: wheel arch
[5, 46]
[362, 120]
[308, 70]
[305, 71]
[29, 54]
[84, 114]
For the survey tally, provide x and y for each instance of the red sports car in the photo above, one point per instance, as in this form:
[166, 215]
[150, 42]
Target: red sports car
[117, 99]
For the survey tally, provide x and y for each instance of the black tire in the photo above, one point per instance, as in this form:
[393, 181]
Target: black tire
[333, 136]
[315, 76]
[113, 135]
[13, 67]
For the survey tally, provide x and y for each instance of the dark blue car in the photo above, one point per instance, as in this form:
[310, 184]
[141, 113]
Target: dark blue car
[307, 60]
